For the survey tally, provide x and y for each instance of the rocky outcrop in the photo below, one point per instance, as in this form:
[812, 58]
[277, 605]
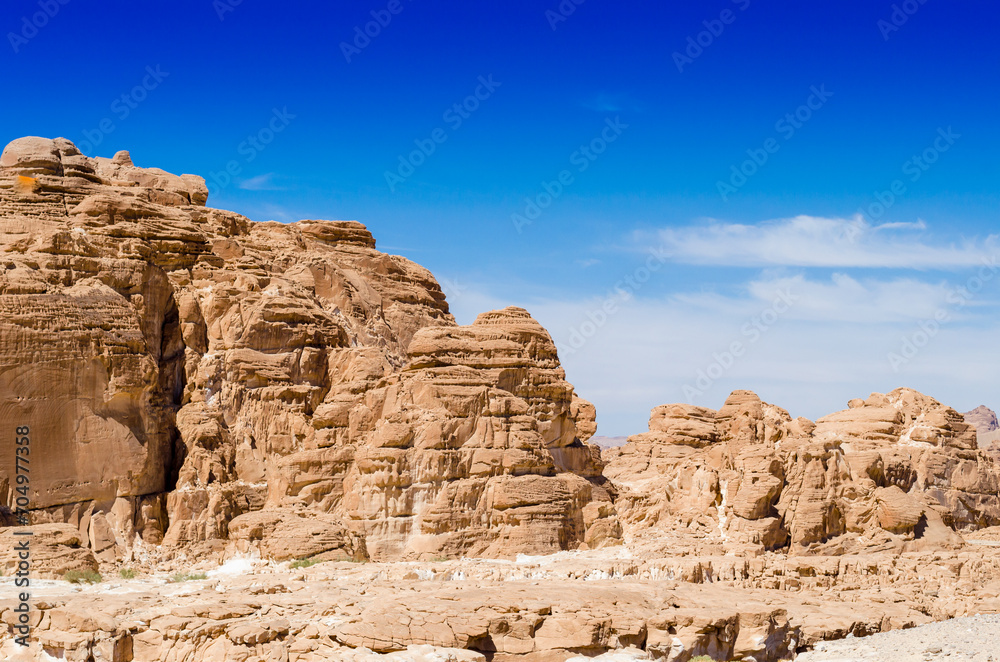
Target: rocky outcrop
[50, 551]
[190, 376]
[894, 472]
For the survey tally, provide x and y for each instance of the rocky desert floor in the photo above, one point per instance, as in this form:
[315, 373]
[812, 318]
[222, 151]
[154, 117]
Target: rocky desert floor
[601, 605]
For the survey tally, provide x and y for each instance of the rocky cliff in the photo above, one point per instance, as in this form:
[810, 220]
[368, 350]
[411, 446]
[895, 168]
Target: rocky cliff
[194, 379]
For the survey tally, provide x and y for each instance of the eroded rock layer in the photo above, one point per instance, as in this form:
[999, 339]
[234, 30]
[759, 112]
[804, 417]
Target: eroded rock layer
[896, 472]
[195, 379]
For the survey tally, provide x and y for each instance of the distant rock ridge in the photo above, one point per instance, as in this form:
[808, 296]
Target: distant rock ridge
[199, 381]
[983, 419]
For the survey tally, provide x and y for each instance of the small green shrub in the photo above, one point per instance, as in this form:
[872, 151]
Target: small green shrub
[702, 658]
[186, 577]
[303, 563]
[83, 577]
[127, 573]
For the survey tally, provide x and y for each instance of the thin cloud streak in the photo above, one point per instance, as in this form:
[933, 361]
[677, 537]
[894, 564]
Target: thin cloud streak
[810, 241]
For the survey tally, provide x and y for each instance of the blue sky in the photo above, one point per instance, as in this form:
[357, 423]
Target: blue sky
[647, 112]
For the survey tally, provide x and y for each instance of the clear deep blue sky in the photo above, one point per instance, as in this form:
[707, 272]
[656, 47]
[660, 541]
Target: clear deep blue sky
[887, 95]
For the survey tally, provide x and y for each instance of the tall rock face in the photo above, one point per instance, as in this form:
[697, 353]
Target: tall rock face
[896, 472]
[188, 374]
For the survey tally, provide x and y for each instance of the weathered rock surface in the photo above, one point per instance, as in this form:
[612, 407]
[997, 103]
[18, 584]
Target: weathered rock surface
[51, 551]
[896, 472]
[182, 368]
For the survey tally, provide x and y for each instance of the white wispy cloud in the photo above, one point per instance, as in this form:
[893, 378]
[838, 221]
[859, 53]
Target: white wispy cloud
[810, 241]
[263, 182]
[841, 298]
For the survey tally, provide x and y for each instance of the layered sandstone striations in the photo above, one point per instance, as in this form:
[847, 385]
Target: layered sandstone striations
[195, 379]
[896, 472]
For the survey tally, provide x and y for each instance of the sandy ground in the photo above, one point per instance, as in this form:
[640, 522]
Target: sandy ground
[976, 638]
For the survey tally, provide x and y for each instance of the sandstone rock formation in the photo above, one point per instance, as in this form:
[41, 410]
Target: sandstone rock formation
[55, 549]
[196, 379]
[896, 472]
[208, 393]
